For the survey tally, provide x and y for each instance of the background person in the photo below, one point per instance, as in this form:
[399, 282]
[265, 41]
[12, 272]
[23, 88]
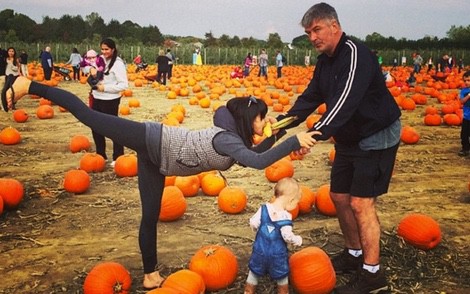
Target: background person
[47, 63]
[107, 93]
[75, 60]
[162, 67]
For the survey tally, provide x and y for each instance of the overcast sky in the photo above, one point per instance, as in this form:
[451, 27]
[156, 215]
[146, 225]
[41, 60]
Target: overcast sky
[410, 19]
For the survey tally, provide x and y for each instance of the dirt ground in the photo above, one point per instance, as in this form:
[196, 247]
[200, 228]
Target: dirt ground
[54, 238]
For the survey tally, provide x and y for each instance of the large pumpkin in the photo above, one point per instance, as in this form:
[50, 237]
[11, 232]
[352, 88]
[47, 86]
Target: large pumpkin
[107, 278]
[232, 200]
[217, 266]
[10, 136]
[11, 191]
[420, 230]
[323, 202]
[184, 282]
[311, 271]
[126, 165]
[282, 168]
[76, 181]
[173, 204]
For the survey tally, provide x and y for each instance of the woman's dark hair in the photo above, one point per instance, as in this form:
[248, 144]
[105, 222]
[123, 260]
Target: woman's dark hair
[74, 50]
[244, 110]
[14, 55]
[111, 44]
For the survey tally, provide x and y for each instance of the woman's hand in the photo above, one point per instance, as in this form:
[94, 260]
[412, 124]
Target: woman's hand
[306, 139]
[93, 71]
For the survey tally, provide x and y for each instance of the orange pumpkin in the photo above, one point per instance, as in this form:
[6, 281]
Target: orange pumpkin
[183, 281]
[432, 119]
[282, 168]
[217, 266]
[126, 165]
[331, 156]
[76, 181]
[323, 202]
[212, 184]
[170, 180]
[79, 143]
[232, 200]
[311, 271]
[307, 200]
[452, 119]
[133, 102]
[92, 163]
[189, 185]
[420, 230]
[409, 135]
[124, 110]
[11, 192]
[45, 112]
[20, 115]
[107, 277]
[10, 136]
[173, 204]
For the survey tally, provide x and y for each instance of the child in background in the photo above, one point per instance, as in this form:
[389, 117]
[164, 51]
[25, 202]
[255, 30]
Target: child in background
[465, 130]
[93, 65]
[273, 224]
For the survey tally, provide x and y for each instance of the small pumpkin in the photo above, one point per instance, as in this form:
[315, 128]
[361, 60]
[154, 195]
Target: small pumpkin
[409, 135]
[133, 102]
[432, 119]
[1, 205]
[311, 271]
[323, 202]
[452, 119]
[20, 116]
[420, 230]
[185, 282]
[11, 192]
[216, 264]
[212, 184]
[282, 168]
[173, 204]
[10, 136]
[92, 163]
[108, 277]
[126, 165]
[189, 185]
[45, 112]
[79, 143]
[232, 200]
[76, 181]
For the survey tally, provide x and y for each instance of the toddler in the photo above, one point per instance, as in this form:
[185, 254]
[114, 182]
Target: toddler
[273, 224]
[93, 65]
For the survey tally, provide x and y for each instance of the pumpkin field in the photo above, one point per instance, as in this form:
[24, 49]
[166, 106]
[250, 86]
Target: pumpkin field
[65, 213]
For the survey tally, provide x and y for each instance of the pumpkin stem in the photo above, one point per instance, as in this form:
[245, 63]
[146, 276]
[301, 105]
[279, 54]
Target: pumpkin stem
[209, 251]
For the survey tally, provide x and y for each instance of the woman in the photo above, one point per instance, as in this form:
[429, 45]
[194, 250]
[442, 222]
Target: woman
[13, 63]
[74, 60]
[162, 67]
[163, 150]
[107, 93]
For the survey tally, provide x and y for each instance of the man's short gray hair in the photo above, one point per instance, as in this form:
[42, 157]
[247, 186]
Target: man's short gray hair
[319, 11]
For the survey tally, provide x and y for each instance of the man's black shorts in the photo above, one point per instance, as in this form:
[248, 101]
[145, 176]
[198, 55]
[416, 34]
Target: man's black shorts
[362, 173]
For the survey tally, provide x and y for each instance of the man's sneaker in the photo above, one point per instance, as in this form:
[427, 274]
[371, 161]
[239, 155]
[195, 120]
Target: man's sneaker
[464, 152]
[365, 282]
[346, 263]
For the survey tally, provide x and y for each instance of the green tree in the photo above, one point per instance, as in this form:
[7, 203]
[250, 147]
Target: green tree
[274, 41]
[151, 35]
[210, 40]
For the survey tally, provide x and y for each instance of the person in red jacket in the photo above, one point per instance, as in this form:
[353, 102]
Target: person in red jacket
[363, 119]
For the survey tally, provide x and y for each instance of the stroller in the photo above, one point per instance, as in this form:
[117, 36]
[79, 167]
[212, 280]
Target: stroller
[65, 72]
[141, 66]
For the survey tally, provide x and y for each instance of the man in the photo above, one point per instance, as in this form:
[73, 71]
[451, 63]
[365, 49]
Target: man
[417, 61]
[279, 64]
[363, 118]
[47, 63]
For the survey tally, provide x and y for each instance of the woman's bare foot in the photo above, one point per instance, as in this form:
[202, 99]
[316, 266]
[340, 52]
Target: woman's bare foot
[20, 89]
[152, 280]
